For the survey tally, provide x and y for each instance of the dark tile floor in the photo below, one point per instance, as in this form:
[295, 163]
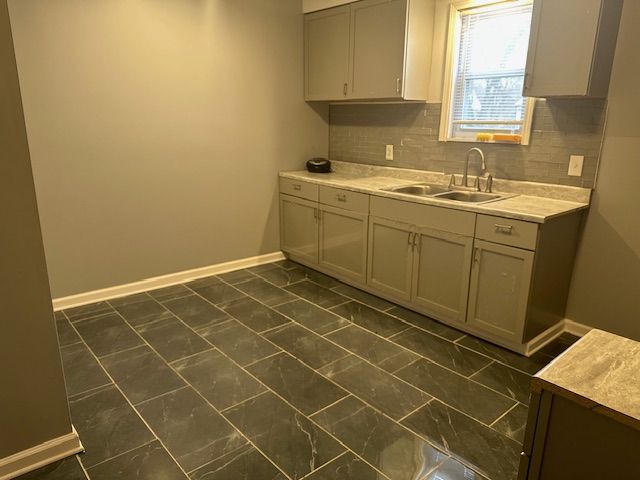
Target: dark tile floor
[280, 372]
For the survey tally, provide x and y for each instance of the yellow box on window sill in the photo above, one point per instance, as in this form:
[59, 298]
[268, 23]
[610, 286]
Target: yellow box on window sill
[498, 138]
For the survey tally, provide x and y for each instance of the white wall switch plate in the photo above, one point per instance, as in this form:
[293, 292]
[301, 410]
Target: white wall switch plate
[575, 165]
[389, 153]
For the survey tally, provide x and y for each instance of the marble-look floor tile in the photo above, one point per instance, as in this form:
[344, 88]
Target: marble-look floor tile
[457, 391]
[302, 387]
[265, 292]
[240, 343]
[286, 264]
[237, 276]
[281, 277]
[371, 319]
[452, 469]
[492, 453]
[245, 463]
[81, 370]
[141, 374]
[559, 345]
[530, 365]
[514, 423]
[218, 379]
[393, 450]
[66, 334]
[172, 339]
[319, 278]
[190, 428]
[363, 297]
[88, 311]
[443, 352]
[203, 282]
[107, 334]
[218, 293]
[316, 294]
[149, 462]
[376, 350]
[347, 467]
[506, 380]
[169, 293]
[305, 345]
[289, 439]
[144, 310]
[195, 311]
[128, 299]
[375, 386]
[426, 323]
[260, 269]
[66, 469]
[255, 315]
[313, 317]
[107, 425]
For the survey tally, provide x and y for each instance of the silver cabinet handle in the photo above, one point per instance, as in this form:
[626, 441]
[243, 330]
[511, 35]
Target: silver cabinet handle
[398, 85]
[417, 241]
[345, 88]
[297, 186]
[476, 255]
[341, 197]
[410, 239]
[506, 229]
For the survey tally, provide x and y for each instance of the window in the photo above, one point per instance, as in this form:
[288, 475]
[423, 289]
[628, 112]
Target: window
[485, 75]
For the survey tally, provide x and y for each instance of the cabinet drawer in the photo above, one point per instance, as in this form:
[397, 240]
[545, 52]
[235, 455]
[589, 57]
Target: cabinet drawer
[507, 232]
[336, 197]
[299, 189]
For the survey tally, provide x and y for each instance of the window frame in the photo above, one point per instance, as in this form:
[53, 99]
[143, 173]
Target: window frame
[451, 63]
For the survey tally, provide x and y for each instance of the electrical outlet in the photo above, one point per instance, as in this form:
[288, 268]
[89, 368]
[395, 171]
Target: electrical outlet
[575, 165]
[389, 153]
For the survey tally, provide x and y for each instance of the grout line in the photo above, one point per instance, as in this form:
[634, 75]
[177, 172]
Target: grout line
[470, 377]
[324, 335]
[147, 400]
[264, 358]
[503, 415]
[86, 474]
[120, 351]
[177, 360]
[253, 397]
[400, 420]
[327, 407]
[121, 454]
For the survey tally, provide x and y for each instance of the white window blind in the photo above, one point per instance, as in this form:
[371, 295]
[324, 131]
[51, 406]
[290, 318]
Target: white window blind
[489, 66]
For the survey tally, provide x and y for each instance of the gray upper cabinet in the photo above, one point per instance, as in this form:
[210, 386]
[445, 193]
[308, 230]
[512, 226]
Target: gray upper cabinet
[369, 50]
[571, 48]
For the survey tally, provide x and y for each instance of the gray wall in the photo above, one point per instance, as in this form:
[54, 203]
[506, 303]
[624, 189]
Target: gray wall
[157, 129]
[359, 133]
[606, 282]
[33, 402]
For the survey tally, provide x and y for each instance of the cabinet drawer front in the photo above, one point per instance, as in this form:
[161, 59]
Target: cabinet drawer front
[336, 197]
[427, 216]
[507, 232]
[299, 189]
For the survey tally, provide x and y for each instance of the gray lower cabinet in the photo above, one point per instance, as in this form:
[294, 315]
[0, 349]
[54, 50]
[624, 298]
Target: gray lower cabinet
[299, 228]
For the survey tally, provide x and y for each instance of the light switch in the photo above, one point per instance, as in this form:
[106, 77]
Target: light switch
[575, 165]
[389, 153]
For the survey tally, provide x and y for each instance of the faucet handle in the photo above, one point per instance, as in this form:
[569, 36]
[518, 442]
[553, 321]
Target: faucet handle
[452, 180]
[489, 185]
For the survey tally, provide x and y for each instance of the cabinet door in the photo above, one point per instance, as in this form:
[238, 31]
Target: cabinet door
[441, 273]
[326, 49]
[390, 257]
[343, 242]
[299, 228]
[377, 48]
[499, 290]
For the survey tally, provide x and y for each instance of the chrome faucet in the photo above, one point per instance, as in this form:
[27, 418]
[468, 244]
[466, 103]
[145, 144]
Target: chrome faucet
[465, 174]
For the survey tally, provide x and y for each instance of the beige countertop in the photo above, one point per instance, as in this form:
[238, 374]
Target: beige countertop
[602, 372]
[533, 202]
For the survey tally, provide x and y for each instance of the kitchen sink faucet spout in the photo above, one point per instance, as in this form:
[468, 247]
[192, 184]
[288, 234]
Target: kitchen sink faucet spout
[465, 174]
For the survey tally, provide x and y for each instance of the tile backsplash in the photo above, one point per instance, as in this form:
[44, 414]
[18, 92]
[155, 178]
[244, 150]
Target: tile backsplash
[561, 127]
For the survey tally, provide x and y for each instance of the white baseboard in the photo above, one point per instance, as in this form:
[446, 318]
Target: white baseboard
[576, 328]
[549, 335]
[162, 281]
[40, 455]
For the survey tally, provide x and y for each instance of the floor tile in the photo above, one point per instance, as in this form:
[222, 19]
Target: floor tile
[218, 293]
[281, 277]
[129, 299]
[218, 379]
[169, 293]
[236, 276]
[265, 292]
[88, 311]
[143, 311]
[141, 374]
[319, 295]
[287, 437]
[286, 264]
[81, 370]
[363, 297]
[195, 311]
[530, 365]
[371, 319]
[313, 317]
[494, 454]
[305, 345]
[375, 386]
[452, 469]
[506, 380]
[240, 343]
[426, 323]
[441, 351]
[66, 334]
[393, 450]
[255, 315]
[149, 462]
[305, 389]
[559, 345]
[59, 315]
[107, 425]
[259, 269]
[108, 334]
[347, 467]
[514, 423]
[457, 391]
[203, 282]
[319, 278]
[376, 350]
[66, 469]
[190, 428]
[172, 339]
[245, 463]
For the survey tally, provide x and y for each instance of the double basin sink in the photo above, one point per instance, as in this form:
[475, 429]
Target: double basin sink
[445, 193]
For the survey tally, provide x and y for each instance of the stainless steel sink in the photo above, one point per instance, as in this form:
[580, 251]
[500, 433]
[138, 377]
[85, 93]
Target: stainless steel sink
[470, 197]
[420, 189]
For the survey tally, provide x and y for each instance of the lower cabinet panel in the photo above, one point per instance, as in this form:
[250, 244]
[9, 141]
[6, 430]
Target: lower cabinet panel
[299, 228]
